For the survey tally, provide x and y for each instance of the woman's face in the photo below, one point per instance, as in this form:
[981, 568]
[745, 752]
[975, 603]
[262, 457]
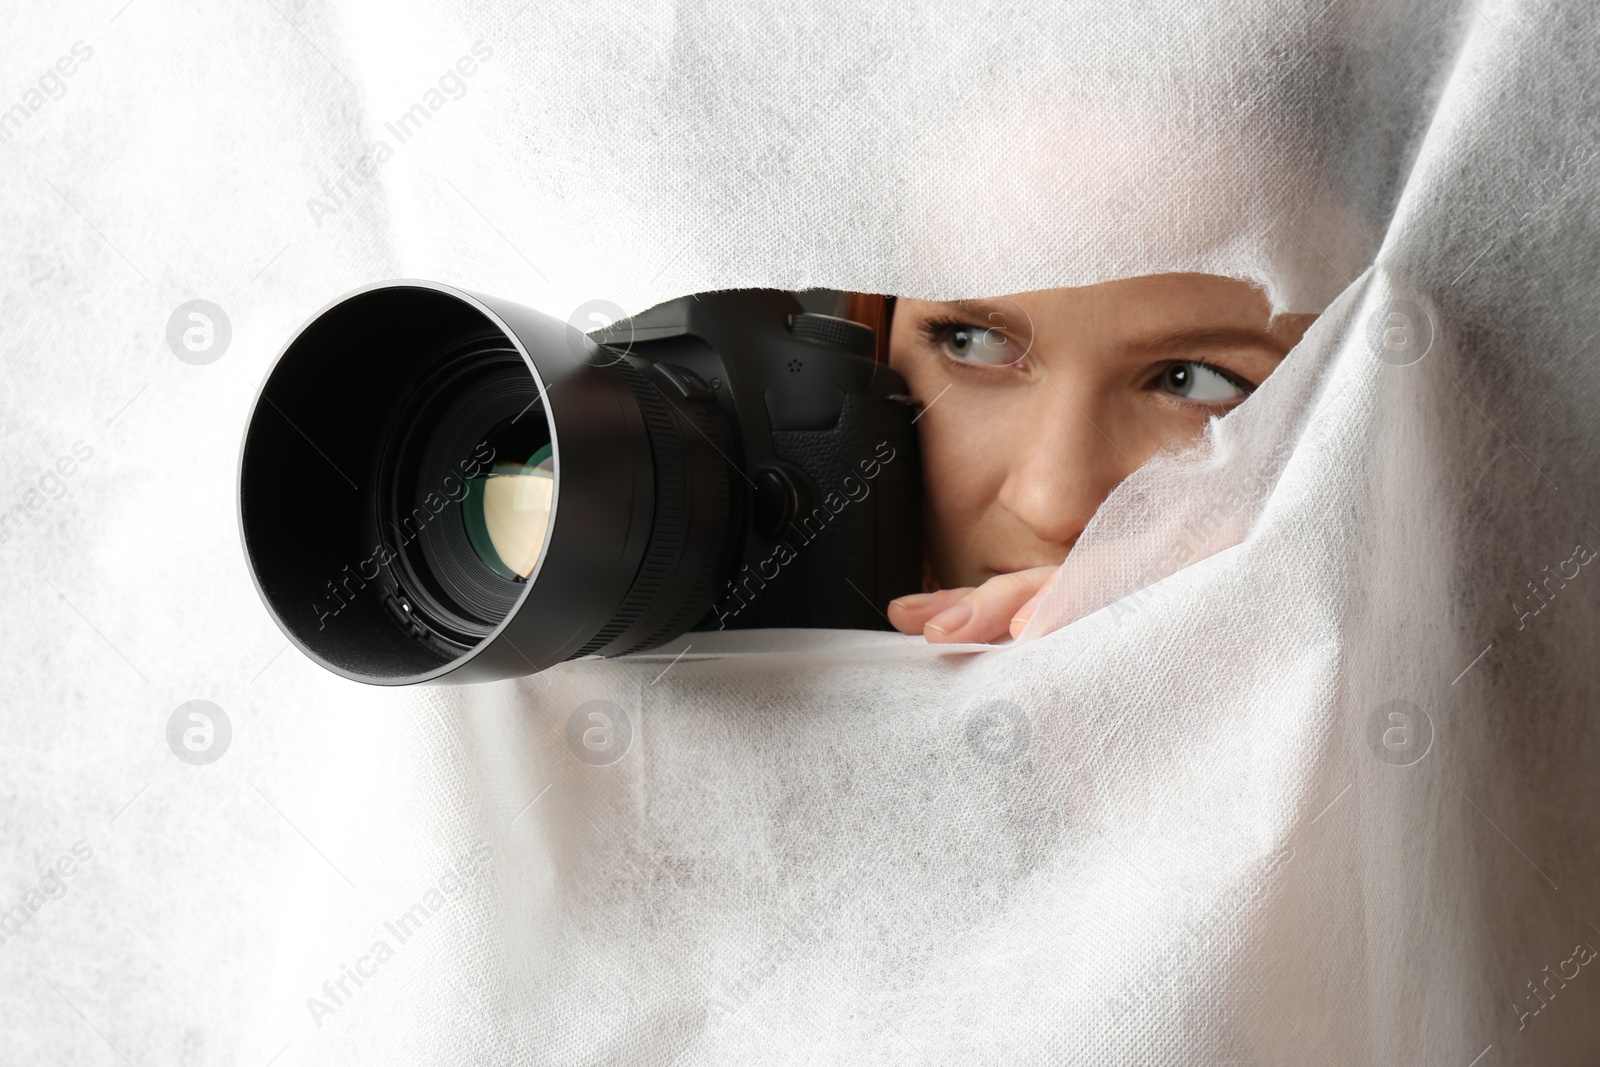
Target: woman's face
[1036, 405]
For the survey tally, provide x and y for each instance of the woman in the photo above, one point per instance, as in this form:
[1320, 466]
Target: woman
[1037, 405]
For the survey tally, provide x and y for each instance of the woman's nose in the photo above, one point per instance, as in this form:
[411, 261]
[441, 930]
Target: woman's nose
[1066, 462]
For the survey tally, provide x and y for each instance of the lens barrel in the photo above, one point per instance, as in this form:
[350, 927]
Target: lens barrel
[439, 486]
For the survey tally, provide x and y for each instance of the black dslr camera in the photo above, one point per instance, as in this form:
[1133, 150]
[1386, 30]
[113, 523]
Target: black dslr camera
[438, 486]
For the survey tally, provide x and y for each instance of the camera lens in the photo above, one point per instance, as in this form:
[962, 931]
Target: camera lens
[440, 486]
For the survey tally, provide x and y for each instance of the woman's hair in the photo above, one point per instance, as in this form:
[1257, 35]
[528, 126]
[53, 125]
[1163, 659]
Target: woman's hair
[873, 310]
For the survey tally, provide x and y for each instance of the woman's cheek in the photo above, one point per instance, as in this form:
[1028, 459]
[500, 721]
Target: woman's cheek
[962, 469]
[960, 483]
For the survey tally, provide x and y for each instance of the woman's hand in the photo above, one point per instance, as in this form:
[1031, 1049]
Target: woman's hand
[997, 608]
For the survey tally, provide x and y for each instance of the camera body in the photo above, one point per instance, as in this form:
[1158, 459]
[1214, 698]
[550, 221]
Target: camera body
[441, 486]
[820, 438]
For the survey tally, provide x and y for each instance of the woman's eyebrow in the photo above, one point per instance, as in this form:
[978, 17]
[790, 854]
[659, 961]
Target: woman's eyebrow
[1186, 338]
[987, 311]
[1181, 339]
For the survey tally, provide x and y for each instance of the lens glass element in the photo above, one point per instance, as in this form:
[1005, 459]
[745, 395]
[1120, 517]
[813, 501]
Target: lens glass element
[507, 510]
[473, 490]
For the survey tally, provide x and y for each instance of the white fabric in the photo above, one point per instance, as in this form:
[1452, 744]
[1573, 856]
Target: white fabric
[1181, 839]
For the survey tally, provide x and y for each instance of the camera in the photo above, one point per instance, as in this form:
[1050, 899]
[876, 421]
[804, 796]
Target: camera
[439, 486]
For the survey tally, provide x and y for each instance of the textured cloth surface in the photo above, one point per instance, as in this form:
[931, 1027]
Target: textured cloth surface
[1296, 764]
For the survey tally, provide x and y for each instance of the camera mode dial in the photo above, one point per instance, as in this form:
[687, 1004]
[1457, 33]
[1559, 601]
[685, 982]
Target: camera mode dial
[821, 329]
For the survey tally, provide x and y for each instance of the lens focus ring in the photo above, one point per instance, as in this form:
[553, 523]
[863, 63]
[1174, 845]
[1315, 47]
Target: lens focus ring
[667, 523]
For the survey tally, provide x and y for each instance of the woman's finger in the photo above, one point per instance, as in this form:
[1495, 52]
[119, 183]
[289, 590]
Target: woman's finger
[1025, 613]
[910, 614]
[985, 613]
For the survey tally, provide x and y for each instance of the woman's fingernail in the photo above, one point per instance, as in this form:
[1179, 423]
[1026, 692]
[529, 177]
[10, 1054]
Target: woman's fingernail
[907, 603]
[952, 618]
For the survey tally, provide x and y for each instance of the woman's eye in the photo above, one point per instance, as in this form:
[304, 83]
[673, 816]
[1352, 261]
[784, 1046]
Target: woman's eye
[976, 344]
[1200, 383]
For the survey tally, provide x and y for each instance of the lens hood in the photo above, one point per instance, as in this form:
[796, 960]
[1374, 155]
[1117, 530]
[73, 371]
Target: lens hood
[334, 515]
